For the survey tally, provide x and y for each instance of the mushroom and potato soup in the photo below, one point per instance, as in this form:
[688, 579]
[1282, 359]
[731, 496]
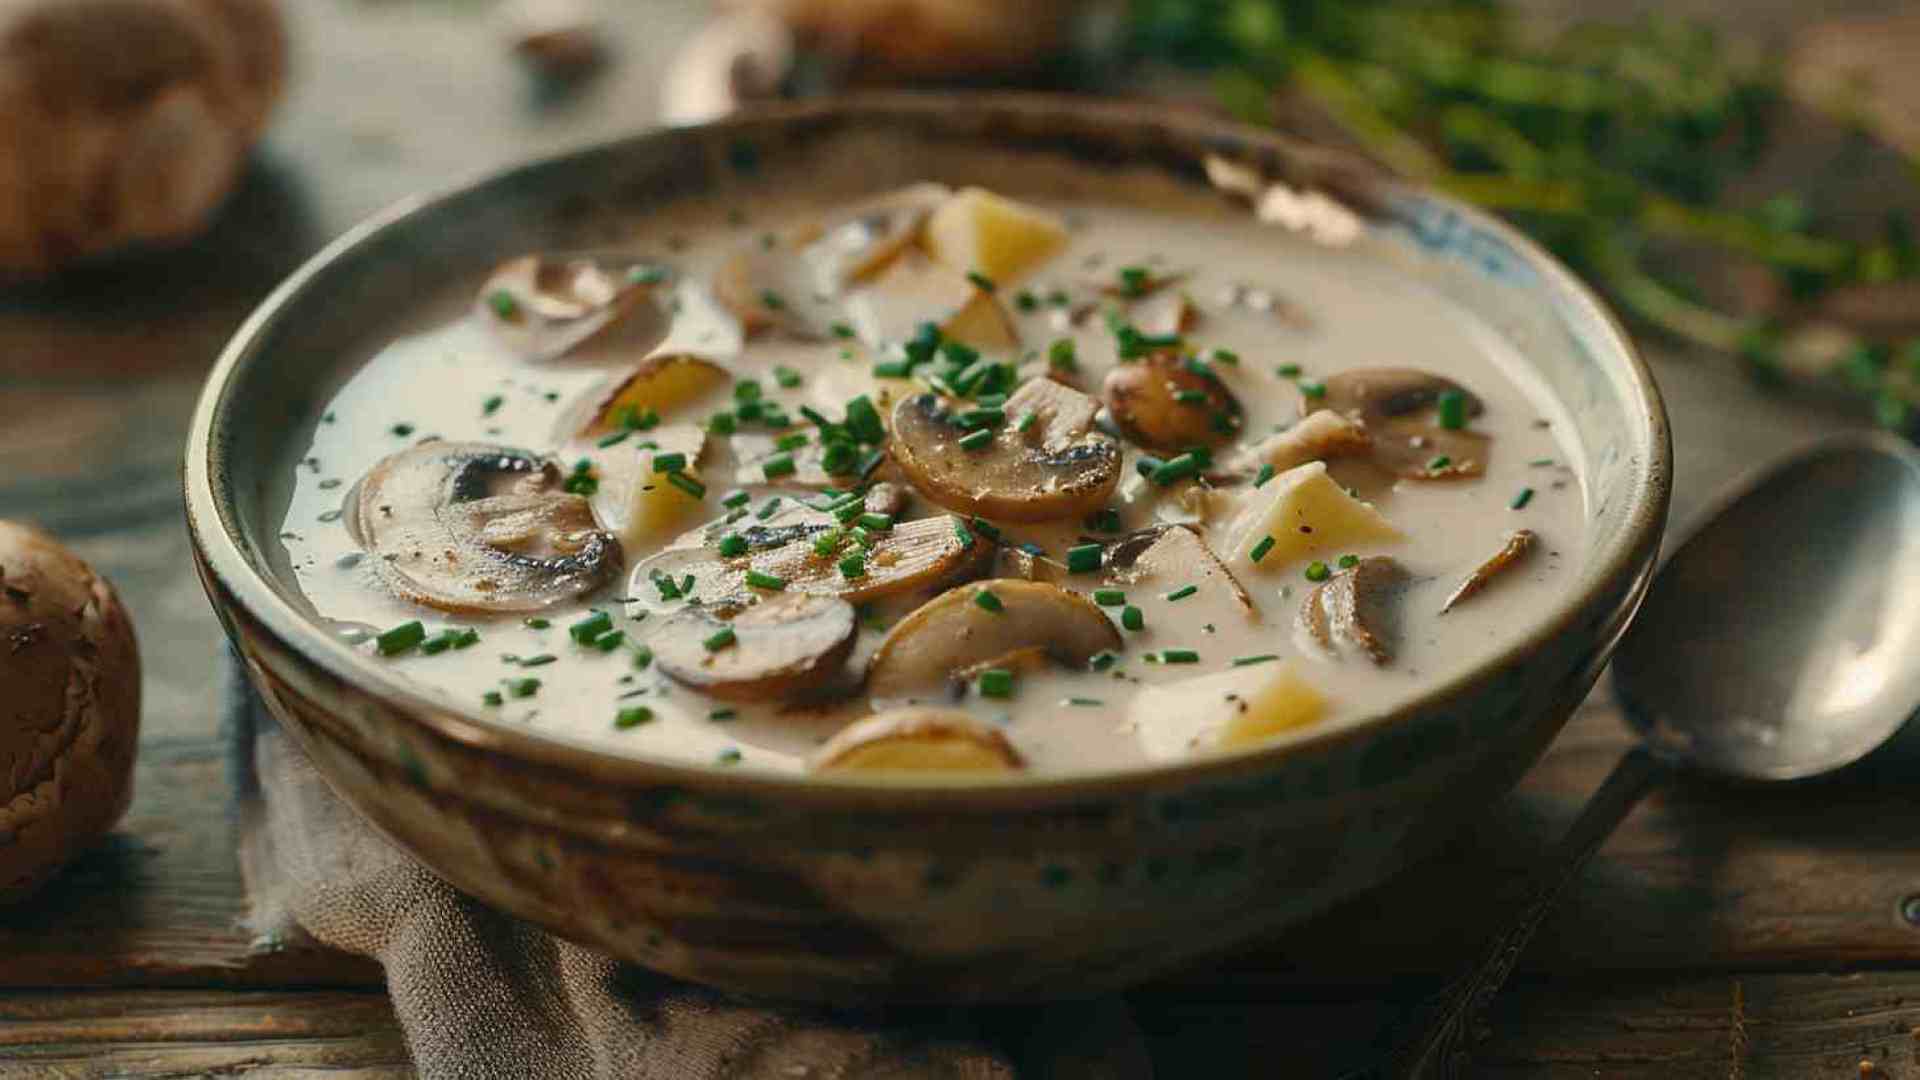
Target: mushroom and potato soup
[940, 482]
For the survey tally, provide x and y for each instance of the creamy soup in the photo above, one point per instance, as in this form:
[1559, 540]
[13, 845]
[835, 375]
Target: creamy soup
[942, 481]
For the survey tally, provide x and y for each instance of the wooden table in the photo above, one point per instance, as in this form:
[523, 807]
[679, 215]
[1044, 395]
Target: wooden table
[1721, 933]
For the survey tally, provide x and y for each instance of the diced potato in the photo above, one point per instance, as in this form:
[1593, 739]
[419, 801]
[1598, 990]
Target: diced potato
[1306, 513]
[977, 230]
[635, 503]
[1226, 710]
[915, 290]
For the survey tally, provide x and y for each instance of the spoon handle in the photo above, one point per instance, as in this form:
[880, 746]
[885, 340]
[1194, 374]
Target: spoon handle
[1438, 1050]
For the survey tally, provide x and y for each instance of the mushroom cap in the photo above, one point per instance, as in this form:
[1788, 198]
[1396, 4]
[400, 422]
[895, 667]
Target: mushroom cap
[787, 644]
[918, 740]
[942, 640]
[473, 527]
[69, 707]
[105, 143]
[1355, 609]
[1161, 403]
[545, 306]
[1397, 408]
[1058, 468]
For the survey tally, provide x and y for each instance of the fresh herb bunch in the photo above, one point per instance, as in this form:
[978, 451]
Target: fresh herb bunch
[1607, 143]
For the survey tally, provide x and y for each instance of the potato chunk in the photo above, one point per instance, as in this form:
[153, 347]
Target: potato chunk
[977, 230]
[1223, 711]
[641, 506]
[1284, 702]
[1306, 513]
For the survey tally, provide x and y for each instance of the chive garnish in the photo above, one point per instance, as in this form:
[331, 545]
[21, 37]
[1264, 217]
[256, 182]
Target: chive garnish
[1103, 659]
[729, 756]
[1179, 656]
[767, 508]
[1265, 474]
[1248, 661]
[1287, 371]
[734, 500]
[853, 567]
[1223, 356]
[720, 639]
[1521, 499]
[610, 640]
[996, 683]
[1133, 618]
[976, 440]
[827, 541]
[1086, 702]
[538, 660]
[1317, 571]
[503, 304]
[590, 627]
[1026, 422]
[632, 718]
[492, 405]
[1134, 280]
[687, 484]
[1180, 468]
[981, 281]
[863, 420]
[778, 465]
[642, 656]
[1182, 592]
[403, 429]
[720, 716]
[1348, 562]
[537, 623]
[1025, 300]
[1061, 355]
[841, 330]
[614, 439]
[1541, 463]
[1439, 462]
[1084, 558]
[791, 442]
[772, 301]
[1260, 549]
[1313, 389]
[761, 580]
[1190, 397]
[1452, 405]
[401, 638]
[987, 601]
[668, 463]
[721, 423]
[523, 688]
[962, 533]
[786, 376]
[979, 418]
[1109, 597]
[493, 698]
[892, 369]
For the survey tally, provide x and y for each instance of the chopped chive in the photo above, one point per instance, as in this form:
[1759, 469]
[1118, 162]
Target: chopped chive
[687, 484]
[987, 601]
[492, 697]
[786, 376]
[1062, 356]
[1190, 397]
[1317, 571]
[978, 418]
[1541, 463]
[1026, 422]
[492, 405]
[504, 304]
[1260, 549]
[1287, 371]
[1180, 468]
[523, 688]
[853, 567]
[1223, 356]
[1025, 300]
[841, 330]
[827, 541]
[614, 439]
[772, 301]
[778, 465]
[1147, 464]
[403, 429]
[990, 401]
[734, 500]
[610, 640]
[791, 442]
[1109, 597]
[760, 580]
[632, 718]
[401, 638]
[767, 508]
[996, 683]
[730, 756]
[892, 369]
[1249, 661]
[668, 590]
[686, 585]
[1182, 592]
[674, 462]
[538, 660]
[1084, 558]
[438, 643]
[962, 533]
[1133, 618]
[976, 440]
[1179, 656]
[863, 420]
[1266, 474]
[720, 639]
[537, 624]
[1438, 463]
[721, 716]
[876, 522]
[590, 627]
[1348, 562]
[1521, 499]
[642, 656]
[721, 423]
[1313, 389]
[1134, 280]
[1452, 406]
[1103, 659]
[981, 281]
[1086, 702]
[839, 459]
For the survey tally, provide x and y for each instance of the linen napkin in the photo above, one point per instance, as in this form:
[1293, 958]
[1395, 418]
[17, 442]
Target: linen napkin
[480, 994]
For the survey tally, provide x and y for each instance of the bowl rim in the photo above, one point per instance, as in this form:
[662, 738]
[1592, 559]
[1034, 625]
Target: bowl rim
[211, 518]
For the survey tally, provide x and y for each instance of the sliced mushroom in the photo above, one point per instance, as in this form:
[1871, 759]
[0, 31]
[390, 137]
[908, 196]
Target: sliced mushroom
[934, 648]
[861, 241]
[1398, 407]
[1356, 609]
[1163, 403]
[918, 740]
[1173, 557]
[914, 556]
[1317, 437]
[770, 291]
[788, 644]
[545, 307]
[1517, 547]
[471, 527]
[914, 289]
[643, 395]
[1058, 467]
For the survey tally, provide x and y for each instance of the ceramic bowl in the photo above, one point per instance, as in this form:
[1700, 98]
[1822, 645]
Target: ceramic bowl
[852, 891]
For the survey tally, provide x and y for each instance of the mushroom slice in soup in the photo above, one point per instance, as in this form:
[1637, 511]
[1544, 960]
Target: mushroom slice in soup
[1164, 403]
[1400, 408]
[1517, 547]
[910, 557]
[857, 243]
[920, 740]
[1175, 559]
[1356, 609]
[1057, 467]
[770, 291]
[472, 527]
[543, 307]
[913, 289]
[931, 652]
[788, 644]
[1319, 436]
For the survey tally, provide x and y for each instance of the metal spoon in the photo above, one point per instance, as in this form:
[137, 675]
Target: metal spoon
[1776, 644]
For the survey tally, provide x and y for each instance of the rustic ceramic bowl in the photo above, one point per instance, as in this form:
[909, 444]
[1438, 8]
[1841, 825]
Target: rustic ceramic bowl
[850, 891]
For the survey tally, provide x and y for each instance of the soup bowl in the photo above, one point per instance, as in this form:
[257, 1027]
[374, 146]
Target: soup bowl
[864, 890]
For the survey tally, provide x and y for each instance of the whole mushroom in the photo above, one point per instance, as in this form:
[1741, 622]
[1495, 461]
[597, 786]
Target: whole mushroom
[69, 707]
[125, 122]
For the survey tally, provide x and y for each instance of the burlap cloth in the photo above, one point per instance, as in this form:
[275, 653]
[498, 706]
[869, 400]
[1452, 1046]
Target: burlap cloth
[480, 994]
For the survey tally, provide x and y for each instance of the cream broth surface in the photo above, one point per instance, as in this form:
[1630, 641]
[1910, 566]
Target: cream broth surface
[1273, 301]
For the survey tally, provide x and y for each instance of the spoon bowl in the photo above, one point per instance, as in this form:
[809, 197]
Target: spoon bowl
[1777, 641]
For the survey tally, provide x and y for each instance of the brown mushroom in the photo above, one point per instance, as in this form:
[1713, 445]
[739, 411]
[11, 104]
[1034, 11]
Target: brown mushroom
[1057, 467]
[918, 740]
[69, 707]
[787, 644]
[1354, 609]
[1516, 548]
[1319, 436]
[1174, 557]
[931, 652]
[472, 527]
[1165, 403]
[544, 307]
[1399, 409]
[913, 556]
